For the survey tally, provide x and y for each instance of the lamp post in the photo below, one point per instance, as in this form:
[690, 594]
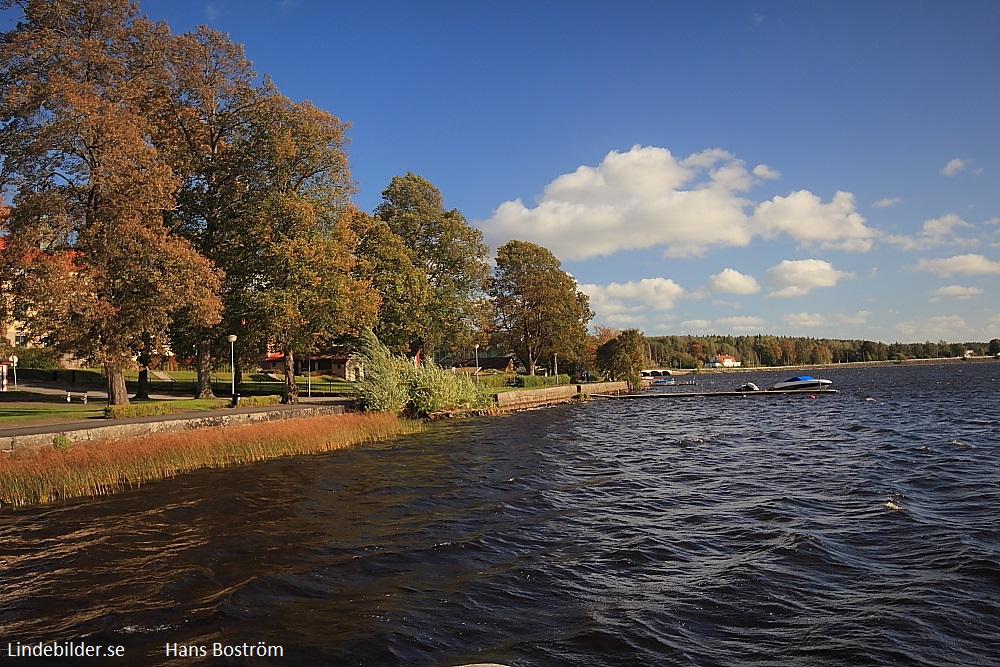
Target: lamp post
[232, 362]
[13, 367]
[476, 372]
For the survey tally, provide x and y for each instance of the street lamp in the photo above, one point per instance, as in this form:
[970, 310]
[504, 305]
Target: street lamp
[13, 367]
[232, 362]
[476, 372]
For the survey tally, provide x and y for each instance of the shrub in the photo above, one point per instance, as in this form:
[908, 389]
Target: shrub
[539, 381]
[60, 442]
[137, 410]
[393, 384]
[252, 401]
[492, 381]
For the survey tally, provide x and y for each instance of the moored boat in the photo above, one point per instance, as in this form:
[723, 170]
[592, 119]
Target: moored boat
[804, 382]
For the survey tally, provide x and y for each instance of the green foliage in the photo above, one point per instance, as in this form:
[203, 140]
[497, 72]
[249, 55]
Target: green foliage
[60, 442]
[393, 384]
[253, 401]
[137, 410]
[450, 254]
[44, 358]
[623, 357]
[492, 381]
[539, 381]
[538, 311]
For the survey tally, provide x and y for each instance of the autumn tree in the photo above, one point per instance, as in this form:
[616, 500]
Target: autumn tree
[451, 255]
[538, 309]
[623, 357]
[384, 261]
[308, 289]
[91, 265]
[207, 124]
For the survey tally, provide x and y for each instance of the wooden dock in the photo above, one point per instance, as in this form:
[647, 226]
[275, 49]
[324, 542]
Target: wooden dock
[698, 394]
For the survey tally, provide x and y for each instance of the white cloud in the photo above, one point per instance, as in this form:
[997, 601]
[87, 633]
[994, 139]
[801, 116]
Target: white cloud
[800, 277]
[954, 167]
[695, 325]
[766, 173]
[934, 232]
[967, 265]
[642, 296]
[211, 12]
[805, 320]
[646, 197]
[886, 202]
[731, 281]
[955, 292]
[741, 323]
[642, 198]
[805, 218]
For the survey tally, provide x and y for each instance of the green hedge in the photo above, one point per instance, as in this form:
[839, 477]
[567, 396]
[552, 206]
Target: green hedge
[492, 381]
[136, 410]
[540, 381]
[251, 401]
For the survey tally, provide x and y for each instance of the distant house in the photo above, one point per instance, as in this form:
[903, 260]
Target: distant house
[723, 361]
[336, 361]
[487, 366]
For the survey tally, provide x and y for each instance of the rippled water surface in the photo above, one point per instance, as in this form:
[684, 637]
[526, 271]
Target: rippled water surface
[852, 529]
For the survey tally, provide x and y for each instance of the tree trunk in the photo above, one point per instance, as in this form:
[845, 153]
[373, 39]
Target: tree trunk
[117, 392]
[291, 396]
[203, 361]
[142, 392]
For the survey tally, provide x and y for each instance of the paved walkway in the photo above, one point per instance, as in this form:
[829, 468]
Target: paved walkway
[63, 424]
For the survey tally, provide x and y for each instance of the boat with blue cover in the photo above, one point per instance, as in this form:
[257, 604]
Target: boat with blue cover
[804, 382]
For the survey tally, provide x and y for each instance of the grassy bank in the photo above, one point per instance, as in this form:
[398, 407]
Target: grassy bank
[102, 468]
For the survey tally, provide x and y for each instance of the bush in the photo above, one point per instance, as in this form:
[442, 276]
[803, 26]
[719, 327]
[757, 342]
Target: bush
[252, 401]
[136, 410]
[60, 442]
[540, 381]
[492, 381]
[393, 384]
[35, 357]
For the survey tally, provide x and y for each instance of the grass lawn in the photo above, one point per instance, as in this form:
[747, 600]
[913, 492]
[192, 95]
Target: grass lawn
[21, 406]
[22, 411]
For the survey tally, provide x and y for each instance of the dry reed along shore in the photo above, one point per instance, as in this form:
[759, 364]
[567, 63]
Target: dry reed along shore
[101, 468]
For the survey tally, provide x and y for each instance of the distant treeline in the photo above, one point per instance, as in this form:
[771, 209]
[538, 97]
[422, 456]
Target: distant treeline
[760, 350]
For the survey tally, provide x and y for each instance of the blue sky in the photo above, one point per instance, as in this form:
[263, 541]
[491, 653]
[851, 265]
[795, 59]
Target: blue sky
[823, 169]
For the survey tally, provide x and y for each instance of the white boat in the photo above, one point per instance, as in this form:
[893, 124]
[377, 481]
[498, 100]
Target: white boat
[803, 382]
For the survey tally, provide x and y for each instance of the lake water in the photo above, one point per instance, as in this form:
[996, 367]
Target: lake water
[852, 529]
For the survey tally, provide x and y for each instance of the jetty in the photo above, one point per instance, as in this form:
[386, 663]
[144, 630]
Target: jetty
[708, 394]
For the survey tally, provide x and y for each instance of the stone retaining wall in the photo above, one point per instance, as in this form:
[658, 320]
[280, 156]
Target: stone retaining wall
[133, 429]
[530, 398]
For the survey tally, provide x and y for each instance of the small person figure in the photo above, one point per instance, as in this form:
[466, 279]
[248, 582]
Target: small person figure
[84, 398]
[69, 397]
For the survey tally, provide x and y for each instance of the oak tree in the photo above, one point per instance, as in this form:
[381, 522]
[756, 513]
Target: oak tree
[90, 264]
[451, 255]
[538, 309]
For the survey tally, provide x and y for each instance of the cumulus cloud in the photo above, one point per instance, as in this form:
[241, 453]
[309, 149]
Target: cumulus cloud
[886, 202]
[955, 292]
[765, 173]
[805, 218]
[643, 198]
[953, 167]
[640, 296]
[731, 281]
[934, 232]
[647, 197]
[742, 323]
[800, 277]
[967, 265]
[805, 320]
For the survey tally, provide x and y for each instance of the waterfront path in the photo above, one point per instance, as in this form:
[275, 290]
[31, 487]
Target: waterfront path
[30, 430]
